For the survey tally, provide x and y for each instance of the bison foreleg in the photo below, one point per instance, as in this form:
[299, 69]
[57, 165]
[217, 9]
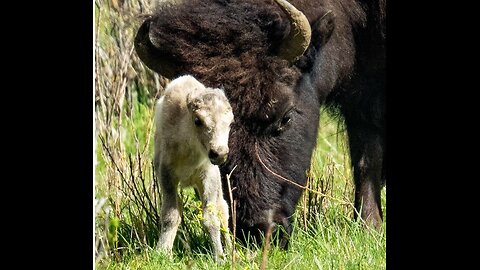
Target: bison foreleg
[367, 148]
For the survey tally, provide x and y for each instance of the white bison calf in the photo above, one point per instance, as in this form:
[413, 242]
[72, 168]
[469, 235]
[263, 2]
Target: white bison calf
[191, 139]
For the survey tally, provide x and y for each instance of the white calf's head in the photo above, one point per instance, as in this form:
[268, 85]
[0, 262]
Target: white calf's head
[211, 118]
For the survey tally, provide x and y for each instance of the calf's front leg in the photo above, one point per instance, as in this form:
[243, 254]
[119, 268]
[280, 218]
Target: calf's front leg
[170, 213]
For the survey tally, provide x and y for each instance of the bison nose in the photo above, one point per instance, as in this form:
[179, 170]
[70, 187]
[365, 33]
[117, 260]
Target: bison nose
[218, 157]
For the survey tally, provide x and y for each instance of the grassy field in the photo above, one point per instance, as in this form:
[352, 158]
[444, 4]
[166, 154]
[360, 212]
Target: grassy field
[325, 234]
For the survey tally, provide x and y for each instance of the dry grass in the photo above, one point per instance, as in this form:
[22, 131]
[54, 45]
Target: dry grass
[124, 91]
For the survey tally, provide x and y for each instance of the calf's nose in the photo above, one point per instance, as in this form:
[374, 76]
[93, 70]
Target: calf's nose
[218, 156]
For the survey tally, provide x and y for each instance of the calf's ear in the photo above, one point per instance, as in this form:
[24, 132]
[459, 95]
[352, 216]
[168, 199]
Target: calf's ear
[192, 104]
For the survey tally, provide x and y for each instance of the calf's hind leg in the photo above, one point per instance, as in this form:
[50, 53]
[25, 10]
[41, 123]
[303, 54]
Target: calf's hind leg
[213, 211]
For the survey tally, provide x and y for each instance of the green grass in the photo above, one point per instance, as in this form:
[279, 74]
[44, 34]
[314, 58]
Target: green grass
[325, 235]
[341, 245]
[329, 239]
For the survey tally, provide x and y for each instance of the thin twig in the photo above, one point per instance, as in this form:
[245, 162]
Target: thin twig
[232, 208]
[111, 156]
[149, 200]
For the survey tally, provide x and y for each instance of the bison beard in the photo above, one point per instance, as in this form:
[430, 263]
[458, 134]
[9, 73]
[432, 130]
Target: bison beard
[235, 45]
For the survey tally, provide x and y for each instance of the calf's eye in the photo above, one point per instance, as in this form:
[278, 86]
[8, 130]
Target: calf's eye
[198, 122]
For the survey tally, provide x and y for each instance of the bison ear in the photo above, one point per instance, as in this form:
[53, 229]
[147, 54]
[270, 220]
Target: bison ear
[150, 53]
[322, 29]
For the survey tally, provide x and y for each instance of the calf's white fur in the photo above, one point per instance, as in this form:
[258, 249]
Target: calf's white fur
[191, 139]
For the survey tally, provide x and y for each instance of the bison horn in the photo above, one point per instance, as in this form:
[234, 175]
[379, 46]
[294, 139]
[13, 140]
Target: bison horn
[297, 41]
[150, 53]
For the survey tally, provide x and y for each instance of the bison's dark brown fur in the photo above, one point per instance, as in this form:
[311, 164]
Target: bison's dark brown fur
[233, 44]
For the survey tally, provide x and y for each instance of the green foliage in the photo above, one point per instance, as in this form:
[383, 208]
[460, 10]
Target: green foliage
[113, 232]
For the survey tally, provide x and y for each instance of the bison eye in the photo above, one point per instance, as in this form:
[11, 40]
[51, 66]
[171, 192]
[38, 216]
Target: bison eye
[198, 122]
[286, 119]
[283, 123]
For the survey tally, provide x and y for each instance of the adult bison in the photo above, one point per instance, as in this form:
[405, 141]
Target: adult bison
[278, 64]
